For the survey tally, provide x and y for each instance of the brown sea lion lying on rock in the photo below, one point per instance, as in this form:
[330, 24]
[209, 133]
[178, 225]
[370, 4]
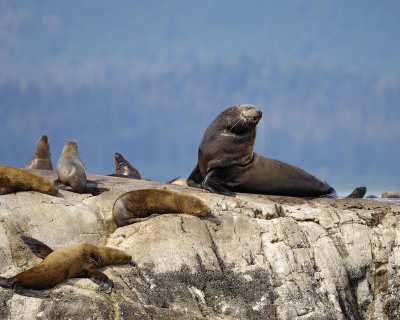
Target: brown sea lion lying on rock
[14, 179]
[79, 260]
[139, 205]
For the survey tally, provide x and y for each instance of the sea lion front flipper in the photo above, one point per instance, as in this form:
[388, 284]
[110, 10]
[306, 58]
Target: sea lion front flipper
[38, 248]
[195, 178]
[212, 183]
[30, 292]
[101, 279]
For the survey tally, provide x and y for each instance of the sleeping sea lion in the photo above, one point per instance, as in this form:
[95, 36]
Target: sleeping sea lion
[79, 260]
[391, 194]
[124, 169]
[42, 157]
[70, 168]
[227, 163]
[14, 179]
[138, 205]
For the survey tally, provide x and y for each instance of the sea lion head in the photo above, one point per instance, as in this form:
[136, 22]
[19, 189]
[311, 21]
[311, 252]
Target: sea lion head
[195, 207]
[118, 158]
[240, 117]
[71, 145]
[43, 139]
[70, 148]
[107, 256]
[229, 139]
[43, 147]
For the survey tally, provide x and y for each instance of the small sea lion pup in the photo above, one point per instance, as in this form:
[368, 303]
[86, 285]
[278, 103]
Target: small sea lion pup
[124, 169]
[42, 157]
[227, 163]
[138, 205]
[81, 260]
[71, 169]
[14, 179]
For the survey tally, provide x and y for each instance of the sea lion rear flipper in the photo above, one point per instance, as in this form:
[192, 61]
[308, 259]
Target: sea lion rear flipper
[93, 188]
[172, 180]
[101, 279]
[30, 292]
[38, 248]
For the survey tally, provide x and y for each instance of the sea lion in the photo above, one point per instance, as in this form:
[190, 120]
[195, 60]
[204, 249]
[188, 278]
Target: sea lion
[391, 194]
[227, 163]
[42, 157]
[138, 205]
[358, 193]
[78, 260]
[178, 181]
[14, 179]
[124, 169]
[70, 168]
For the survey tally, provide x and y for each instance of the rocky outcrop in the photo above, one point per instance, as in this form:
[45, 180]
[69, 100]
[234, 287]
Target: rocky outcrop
[257, 257]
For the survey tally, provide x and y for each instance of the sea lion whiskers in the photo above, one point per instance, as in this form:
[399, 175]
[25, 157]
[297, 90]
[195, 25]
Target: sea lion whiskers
[237, 122]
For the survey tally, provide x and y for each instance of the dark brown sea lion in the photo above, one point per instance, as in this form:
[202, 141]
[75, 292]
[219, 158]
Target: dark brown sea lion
[358, 193]
[42, 157]
[14, 179]
[124, 169]
[71, 169]
[138, 205]
[227, 163]
[79, 260]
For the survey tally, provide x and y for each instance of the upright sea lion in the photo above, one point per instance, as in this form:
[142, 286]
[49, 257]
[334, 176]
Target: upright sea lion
[124, 169]
[227, 163]
[138, 205]
[79, 260]
[70, 168]
[358, 193]
[42, 157]
[14, 179]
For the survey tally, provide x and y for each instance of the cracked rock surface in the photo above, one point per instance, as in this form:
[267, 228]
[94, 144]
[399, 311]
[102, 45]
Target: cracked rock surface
[257, 257]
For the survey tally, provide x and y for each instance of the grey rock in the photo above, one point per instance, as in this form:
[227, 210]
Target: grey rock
[258, 257]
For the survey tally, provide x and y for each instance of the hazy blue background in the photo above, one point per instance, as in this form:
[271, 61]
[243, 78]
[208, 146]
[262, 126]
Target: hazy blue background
[145, 78]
